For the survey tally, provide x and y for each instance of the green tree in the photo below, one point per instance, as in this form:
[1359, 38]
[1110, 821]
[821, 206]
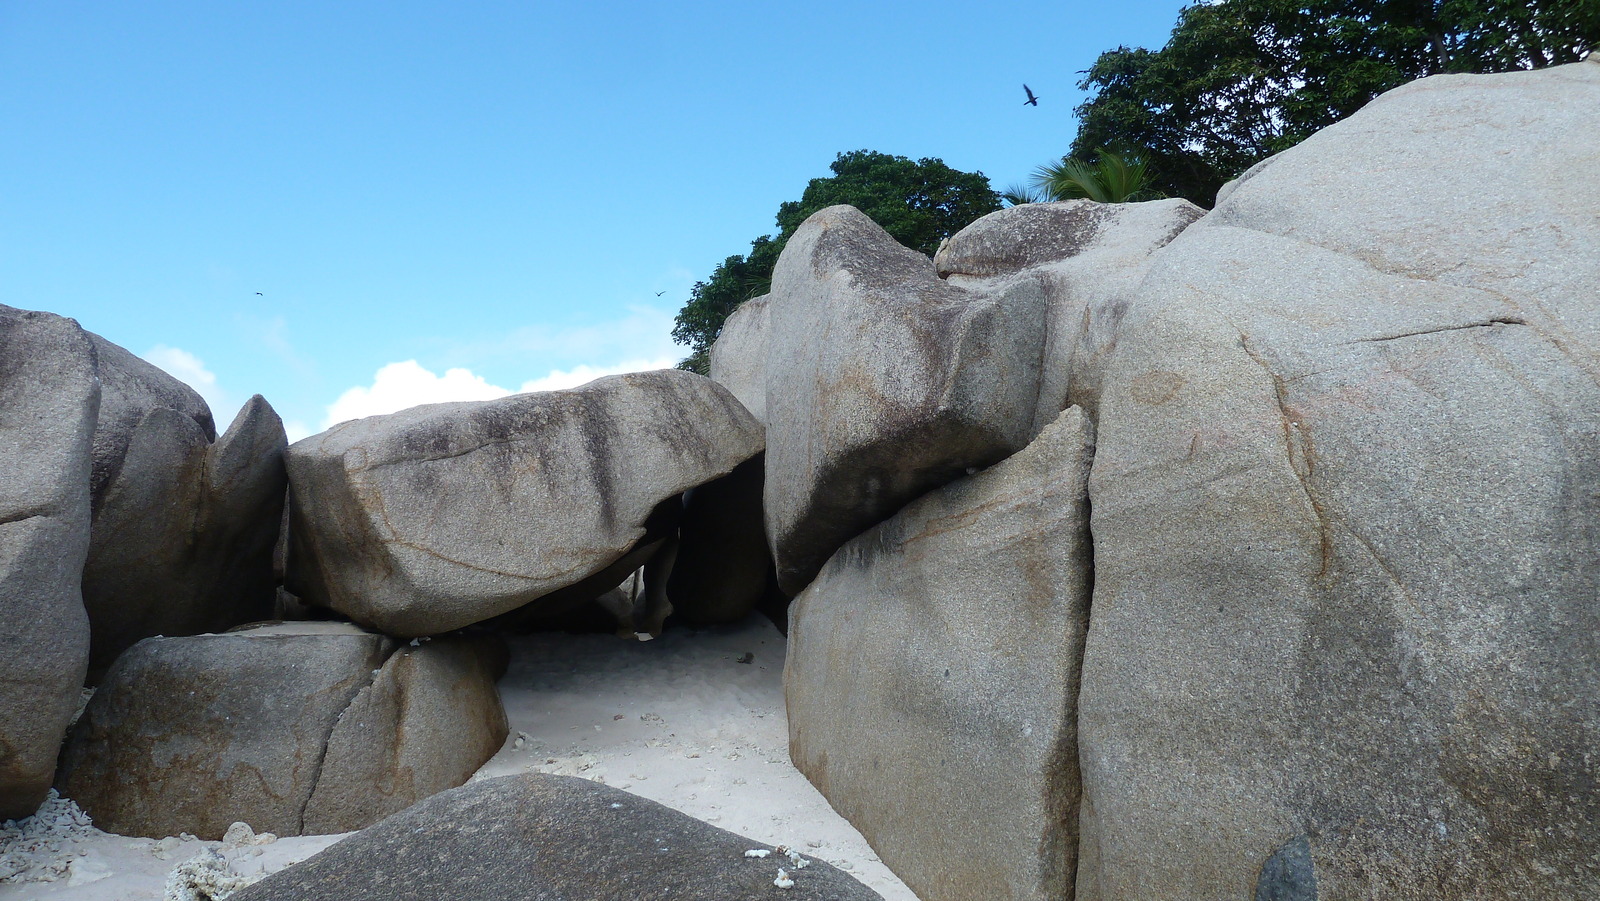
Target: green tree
[918, 202]
[1110, 178]
[1240, 80]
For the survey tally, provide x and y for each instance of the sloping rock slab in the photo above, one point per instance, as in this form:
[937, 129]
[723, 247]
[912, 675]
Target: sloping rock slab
[882, 382]
[48, 400]
[446, 515]
[932, 677]
[1345, 635]
[286, 727]
[537, 837]
[184, 530]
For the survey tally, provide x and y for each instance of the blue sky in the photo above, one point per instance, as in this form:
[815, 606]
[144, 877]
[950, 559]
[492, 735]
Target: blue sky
[470, 197]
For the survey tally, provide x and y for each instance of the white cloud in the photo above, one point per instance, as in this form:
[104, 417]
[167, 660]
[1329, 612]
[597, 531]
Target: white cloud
[192, 371]
[583, 374]
[295, 430]
[399, 386]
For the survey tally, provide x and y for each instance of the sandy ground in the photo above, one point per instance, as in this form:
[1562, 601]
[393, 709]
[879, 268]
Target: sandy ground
[680, 720]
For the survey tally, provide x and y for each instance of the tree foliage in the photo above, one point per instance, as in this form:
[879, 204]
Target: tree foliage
[1240, 80]
[918, 202]
[1109, 178]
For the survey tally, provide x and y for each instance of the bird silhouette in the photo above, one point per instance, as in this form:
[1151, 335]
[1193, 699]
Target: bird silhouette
[659, 293]
[1032, 100]
[259, 294]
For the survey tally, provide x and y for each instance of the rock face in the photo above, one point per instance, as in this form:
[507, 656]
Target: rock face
[739, 356]
[1087, 259]
[184, 530]
[287, 727]
[429, 719]
[883, 382]
[48, 402]
[1345, 639]
[445, 515]
[130, 389]
[932, 677]
[536, 836]
[722, 566]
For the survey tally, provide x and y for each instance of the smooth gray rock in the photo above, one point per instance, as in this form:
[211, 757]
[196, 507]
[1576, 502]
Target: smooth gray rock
[185, 530]
[932, 677]
[1344, 638]
[194, 734]
[883, 382]
[535, 836]
[48, 402]
[445, 515]
[722, 565]
[1088, 259]
[739, 355]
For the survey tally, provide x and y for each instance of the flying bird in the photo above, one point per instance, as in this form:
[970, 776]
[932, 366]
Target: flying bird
[659, 293]
[259, 294]
[1032, 100]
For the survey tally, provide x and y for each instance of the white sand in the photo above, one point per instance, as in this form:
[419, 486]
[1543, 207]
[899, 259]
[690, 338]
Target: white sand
[677, 720]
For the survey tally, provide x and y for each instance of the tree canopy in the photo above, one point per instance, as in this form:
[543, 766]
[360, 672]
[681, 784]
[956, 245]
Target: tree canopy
[1240, 80]
[918, 202]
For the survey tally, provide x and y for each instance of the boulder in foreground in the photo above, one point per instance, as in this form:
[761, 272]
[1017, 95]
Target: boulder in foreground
[1345, 637]
[48, 400]
[538, 837]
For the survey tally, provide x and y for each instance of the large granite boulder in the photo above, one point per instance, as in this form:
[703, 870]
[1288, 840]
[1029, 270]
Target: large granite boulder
[1087, 258]
[535, 836]
[291, 728]
[739, 355]
[184, 530]
[48, 401]
[1345, 637]
[883, 382]
[448, 514]
[932, 677]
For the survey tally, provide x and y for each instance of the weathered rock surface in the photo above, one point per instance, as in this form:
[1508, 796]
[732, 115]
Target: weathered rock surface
[932, 677]
[448, 514]
[184, 530]
[429, 719]
[1345, 638]
[739, 356]
[288, 727]
[882, 382]
[546, 837]
[48, 401]
[1087, 258]
[722, 565]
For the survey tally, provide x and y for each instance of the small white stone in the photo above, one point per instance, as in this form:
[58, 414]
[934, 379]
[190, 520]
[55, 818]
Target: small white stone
[756, 852]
